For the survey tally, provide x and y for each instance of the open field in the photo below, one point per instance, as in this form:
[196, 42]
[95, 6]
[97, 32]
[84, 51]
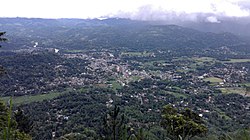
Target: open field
[34, 98]
[210, 59]
[176, 94]
[198, 62]
[246, 84]
[153, 65]
[75, 51]
[135, 78]
[238, 90]
[138, 54]
[26, 99]
[213, 79]
[236, 61]
[204, 59]
[115, 85]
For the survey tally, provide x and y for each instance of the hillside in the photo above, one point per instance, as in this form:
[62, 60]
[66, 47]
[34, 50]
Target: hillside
[67, 75]
[121, 33]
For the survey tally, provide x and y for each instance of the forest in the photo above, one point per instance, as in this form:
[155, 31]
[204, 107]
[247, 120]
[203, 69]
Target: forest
[121, 79]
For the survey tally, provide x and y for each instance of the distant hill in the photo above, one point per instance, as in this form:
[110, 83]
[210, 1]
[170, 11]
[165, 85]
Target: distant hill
[125, 33]
[238, 27]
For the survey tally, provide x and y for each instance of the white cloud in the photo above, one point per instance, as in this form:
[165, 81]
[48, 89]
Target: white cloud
[213, 19]
[135, 9]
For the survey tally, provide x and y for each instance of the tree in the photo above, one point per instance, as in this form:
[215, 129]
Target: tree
[23, 123]
[87, 134]
[182, 125]
[115, 127]
[2, 39]
[247, 90]
[3, 115]
[8, 130]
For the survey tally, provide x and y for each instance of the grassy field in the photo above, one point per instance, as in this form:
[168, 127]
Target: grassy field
[138, 54]
[237, 61]
[34, 98]
[26, 99]
[177, 95]
[237, 90]
[74, 51]
[246, 84]
[135, 78]
[204, 59]
[115, 85]
[222, 114]
[213, 79]
[199, 62]
[210, 59]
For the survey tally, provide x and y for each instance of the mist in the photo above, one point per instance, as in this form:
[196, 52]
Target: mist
[209, 15]
[193, 10]
[149, 10]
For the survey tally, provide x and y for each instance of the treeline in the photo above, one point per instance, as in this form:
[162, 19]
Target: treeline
[14, 125]
[83, 111]
[30, 74]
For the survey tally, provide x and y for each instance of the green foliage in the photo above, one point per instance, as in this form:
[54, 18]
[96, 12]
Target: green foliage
[34, 72]
[247, 90]
[31, 74]
[3, 115]
[8, 129]
[213, 79]
[23, 123]
[238, 135]
[2, 71]
[26, 99]
[2, 38]
[182, 124]
[242, 134]
[116, 127]
[113, 125]
[87, 134]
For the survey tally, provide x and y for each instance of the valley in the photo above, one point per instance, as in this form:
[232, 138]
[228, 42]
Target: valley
[76, 74]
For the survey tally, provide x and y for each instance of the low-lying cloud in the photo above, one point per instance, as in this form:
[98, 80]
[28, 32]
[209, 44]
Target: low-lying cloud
[188, 10]
[213, 19]
[155, 10]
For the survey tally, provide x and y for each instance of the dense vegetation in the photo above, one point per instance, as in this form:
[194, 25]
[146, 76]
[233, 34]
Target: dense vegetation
[112, 79]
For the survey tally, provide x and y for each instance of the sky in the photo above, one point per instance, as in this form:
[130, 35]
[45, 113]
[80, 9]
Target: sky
[190, 10]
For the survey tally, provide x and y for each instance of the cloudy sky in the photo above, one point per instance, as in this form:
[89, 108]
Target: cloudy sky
[191, 10]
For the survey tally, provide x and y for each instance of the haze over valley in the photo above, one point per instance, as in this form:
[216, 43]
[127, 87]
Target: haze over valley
[58, 69]
[135, 70]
